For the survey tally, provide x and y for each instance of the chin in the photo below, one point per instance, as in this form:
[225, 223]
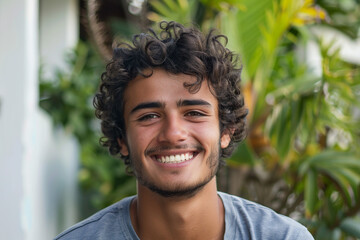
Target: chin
[179, 191]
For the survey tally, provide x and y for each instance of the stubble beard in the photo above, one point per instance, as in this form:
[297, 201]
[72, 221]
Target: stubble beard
[179, 190]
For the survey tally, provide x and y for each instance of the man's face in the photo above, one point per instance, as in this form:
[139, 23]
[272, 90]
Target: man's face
[172, 136]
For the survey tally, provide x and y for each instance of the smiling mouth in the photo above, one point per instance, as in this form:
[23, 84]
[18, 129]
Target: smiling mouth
[176, 158]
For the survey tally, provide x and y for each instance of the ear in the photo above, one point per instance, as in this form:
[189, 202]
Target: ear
[123, 147]
[225, 139]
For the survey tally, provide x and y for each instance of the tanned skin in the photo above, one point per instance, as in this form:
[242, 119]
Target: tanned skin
[198, 217]
[175, 200]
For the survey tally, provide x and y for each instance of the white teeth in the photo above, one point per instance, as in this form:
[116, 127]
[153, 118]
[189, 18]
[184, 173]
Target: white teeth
[178, 158]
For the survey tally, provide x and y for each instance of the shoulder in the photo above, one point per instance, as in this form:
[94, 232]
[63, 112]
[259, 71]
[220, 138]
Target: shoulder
[251, 220]
[111, 221]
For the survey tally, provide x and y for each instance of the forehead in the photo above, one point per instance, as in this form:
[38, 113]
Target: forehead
[164, 87]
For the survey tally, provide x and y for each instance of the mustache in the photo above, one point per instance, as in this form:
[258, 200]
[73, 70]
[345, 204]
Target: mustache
[161, 148]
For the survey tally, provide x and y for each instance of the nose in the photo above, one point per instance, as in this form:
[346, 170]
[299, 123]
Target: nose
[173, 130]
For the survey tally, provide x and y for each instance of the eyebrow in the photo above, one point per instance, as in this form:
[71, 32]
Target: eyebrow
[192, 102]
[147, 105]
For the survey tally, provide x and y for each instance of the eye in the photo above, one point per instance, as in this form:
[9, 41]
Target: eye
[195, 114]
[147, 117]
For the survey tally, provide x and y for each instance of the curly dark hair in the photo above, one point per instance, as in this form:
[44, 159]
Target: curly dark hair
[176, 49]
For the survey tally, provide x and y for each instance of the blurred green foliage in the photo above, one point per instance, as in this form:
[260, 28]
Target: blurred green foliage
[68, 98]
[302, 155]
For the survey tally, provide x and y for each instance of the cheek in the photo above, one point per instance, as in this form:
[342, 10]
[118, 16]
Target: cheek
[207, 134]
[139, 139]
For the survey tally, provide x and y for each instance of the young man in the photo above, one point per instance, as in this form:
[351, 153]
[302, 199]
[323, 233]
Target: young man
[171, 106]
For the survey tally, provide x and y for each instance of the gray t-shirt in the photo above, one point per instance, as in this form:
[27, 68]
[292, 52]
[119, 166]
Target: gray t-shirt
[243, 220]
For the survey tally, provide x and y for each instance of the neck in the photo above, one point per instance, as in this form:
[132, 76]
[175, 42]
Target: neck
[197, 217]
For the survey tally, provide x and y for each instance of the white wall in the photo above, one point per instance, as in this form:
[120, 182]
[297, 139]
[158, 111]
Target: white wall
[18, 62]
[50, 181]
[38, 166]
[59, 30]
